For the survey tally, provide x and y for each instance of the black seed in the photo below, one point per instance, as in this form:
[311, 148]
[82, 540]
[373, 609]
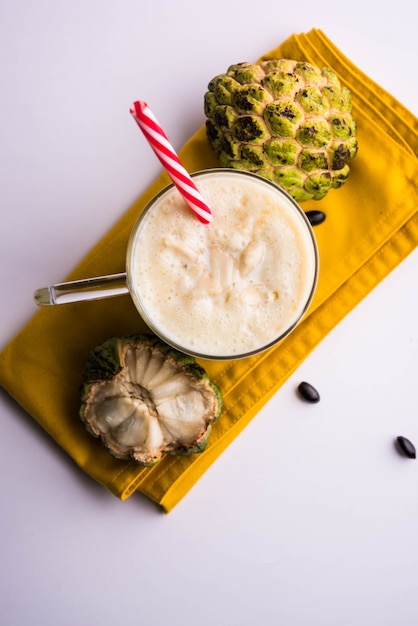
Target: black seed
[406, 447]
[308, 392]
[315, 217]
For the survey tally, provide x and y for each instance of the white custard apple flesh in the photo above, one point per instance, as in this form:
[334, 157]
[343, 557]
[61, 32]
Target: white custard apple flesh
[143, 399]
[285, 120]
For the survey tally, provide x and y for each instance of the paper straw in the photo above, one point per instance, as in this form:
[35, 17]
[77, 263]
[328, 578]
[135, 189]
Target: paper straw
[165, 152]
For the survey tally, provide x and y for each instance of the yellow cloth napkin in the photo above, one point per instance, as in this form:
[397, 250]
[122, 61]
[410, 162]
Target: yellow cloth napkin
[371, 226]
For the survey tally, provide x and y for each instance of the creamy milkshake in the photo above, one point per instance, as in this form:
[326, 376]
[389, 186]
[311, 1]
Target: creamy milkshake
[230, 288]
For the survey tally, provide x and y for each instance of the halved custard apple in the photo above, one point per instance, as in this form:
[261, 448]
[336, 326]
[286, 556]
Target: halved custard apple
[145, 399]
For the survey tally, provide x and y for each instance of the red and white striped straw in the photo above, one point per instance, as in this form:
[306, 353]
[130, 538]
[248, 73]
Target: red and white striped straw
[165, 152]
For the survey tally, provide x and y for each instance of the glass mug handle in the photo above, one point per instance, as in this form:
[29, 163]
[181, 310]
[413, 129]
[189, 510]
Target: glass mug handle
[84, 289]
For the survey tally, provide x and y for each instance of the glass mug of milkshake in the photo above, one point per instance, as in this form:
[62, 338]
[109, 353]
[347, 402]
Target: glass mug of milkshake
[224, 290]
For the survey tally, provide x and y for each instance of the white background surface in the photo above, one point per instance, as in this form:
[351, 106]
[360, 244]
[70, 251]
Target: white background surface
[310, 518]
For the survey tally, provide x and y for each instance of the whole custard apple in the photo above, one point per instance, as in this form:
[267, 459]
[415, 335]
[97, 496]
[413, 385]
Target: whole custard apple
[286, 120]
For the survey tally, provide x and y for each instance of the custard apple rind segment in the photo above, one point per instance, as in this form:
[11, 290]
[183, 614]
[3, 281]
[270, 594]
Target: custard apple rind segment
[144, 399]
[286, 120]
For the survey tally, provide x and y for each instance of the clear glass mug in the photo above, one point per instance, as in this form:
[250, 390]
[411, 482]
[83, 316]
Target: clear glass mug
[228, 334]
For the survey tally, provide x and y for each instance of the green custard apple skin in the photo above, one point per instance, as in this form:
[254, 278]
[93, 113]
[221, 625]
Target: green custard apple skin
[287, 121]
[143, 399]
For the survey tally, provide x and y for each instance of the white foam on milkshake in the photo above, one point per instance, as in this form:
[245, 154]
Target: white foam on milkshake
[231, 287]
